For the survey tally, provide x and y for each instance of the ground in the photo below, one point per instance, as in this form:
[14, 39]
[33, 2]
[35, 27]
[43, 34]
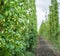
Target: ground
[44, 49]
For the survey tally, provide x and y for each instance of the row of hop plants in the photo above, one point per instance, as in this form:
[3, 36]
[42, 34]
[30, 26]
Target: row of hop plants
[17, 27]
[50, 29]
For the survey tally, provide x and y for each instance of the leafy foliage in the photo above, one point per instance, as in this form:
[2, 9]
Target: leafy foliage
[17, 27]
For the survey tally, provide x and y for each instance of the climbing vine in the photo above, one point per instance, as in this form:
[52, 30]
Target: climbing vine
[17, 27]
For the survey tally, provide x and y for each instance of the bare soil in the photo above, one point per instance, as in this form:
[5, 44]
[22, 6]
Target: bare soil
[43, 49]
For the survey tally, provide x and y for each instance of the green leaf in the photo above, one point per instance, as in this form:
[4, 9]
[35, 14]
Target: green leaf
[1, 16]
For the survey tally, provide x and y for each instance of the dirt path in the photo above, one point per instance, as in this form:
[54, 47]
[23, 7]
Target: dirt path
[43, 49]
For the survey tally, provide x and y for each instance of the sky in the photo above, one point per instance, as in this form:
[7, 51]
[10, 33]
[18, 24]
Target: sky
[42, 9]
